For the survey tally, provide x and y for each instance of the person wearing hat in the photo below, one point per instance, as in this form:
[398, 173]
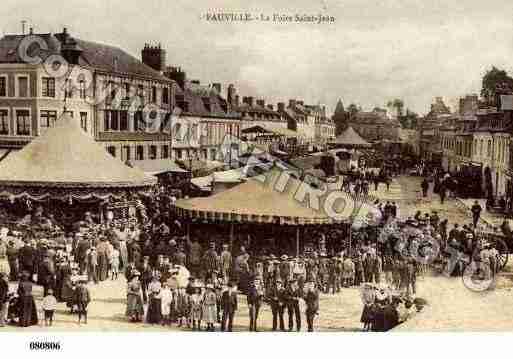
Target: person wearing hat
[229, 306]
[49, 305]
[292, 297]
[226, 261]
[254, 300]
[92, 265]
[12, 259]
[28, 310]
[209, 312]
[196, 307]
[312, 304]
[82, 298]
[210, 261]
[46, 274]
[180, 257]
[27, 257]
[277, 302]
[146, 276]
[285, 269]
[157, 302]
[134, 308]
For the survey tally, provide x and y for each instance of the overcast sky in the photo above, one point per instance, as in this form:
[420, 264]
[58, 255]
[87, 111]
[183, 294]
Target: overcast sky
[374, 51]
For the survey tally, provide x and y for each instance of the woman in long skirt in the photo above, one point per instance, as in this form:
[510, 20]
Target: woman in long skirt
[209, 307]
[27, 308]
[134, 305]
[154, 314]
[195, 309]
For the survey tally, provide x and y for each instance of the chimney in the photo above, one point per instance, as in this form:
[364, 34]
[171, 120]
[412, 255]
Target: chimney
[31, 31]
[281, 107]
[176, 74]
[261, 103]
[217, 87]
[292, 103]
[154, 57]
[237, 100]
[230, 94]
[250, 100]
[270, 107]
[300, 102]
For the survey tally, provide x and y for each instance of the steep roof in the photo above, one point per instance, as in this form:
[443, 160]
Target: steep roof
[259, 201]
[94, 55]
[65, 156]
[204, 101]
[350, 138]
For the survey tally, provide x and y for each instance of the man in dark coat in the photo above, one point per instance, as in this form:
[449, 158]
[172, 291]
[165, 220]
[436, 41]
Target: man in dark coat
[46, 274]
[81, 253]
[27, 259]
[229, 305]
[12, 258]
[476, 213]
[254, 299]
[293, 294]
[146, 277]
[277, 302]
[312, 304]
[28, 310]
[425, 187]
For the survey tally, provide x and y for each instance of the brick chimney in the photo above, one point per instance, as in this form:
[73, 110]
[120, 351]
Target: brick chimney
[261, 103]
[154, 57]
[236, 101]
[176, 74]
[249, 100]
[230, 94]
[281, 107]
[292, 103]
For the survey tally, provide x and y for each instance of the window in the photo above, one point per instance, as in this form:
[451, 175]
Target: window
[48, 87]
[154, 94]
[112, 150]
[3, 86]
[127, 90]
[153, 152]
[125, 153]
[68, 89]
[165, 95]
[213, 154]
[204, 154]
[47, 118]
[139, 153]
[140, 93]
[82, 89]
[23, 90]
[123, 120]
[489, 148]
[23, 122]
[111, 120]
[4, 122]
[164, 153]
[138, 121]
[178, 154]
[83, 120]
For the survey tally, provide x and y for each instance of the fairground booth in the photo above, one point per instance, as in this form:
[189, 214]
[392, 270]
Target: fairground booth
[64, 174]
[270, 214]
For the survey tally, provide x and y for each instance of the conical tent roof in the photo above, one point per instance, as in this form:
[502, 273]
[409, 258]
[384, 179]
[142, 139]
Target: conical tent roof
[269, 200]
[350, 138]
[66, 156]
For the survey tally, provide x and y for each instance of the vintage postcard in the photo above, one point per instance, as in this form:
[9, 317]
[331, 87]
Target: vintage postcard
[255, 166]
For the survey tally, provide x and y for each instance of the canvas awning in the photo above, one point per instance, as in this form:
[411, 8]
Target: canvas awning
[350, 138]
[271, 130]
[66, 162]
[156, 167]
[259, 201]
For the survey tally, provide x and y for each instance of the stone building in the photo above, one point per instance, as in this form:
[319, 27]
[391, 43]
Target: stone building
[120, 101]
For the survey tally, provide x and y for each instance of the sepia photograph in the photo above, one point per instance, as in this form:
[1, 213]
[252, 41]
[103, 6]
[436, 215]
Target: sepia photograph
[255, 166]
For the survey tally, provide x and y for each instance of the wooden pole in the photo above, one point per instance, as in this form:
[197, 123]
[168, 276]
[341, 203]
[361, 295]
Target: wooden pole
[231, 237]
[297, 241]
[350, 238]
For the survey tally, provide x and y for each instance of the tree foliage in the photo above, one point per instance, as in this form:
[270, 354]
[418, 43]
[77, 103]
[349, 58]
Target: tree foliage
[495, 79]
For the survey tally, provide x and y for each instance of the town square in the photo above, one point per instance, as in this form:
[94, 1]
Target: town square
[148, 186]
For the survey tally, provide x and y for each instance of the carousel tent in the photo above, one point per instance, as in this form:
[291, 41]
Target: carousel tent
[156, 167]
[350, 138]
[259, 201]
[66, 163]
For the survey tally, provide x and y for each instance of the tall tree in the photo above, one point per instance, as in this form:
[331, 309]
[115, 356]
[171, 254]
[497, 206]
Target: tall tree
[398, 104]
[493, 80]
